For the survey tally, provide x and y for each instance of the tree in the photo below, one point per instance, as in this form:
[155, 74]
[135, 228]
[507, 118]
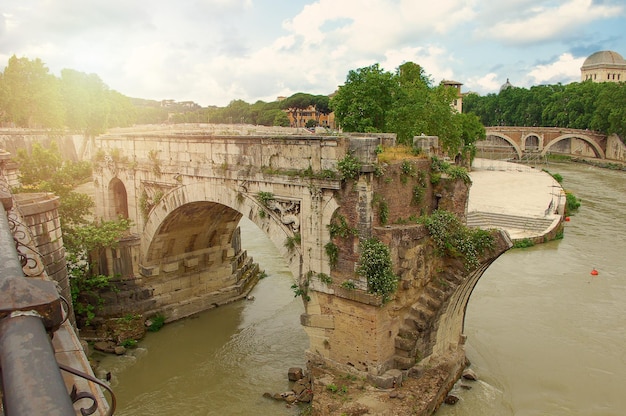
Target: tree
[237, 111]
[364, 102]
[404, 103]
[579, 105]
[610, 113]
[30, 96]
[44, 170]
[472, 131]
[410, 112]
[280, 119]
[301, 102]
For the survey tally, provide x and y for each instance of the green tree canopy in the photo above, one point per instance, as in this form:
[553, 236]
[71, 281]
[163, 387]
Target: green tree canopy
[30, 96]
[405, 103]
[44, 170]
[364, 102]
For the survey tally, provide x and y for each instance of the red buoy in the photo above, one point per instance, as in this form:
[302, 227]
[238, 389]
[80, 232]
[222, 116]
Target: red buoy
[594, 272]
[566, 218]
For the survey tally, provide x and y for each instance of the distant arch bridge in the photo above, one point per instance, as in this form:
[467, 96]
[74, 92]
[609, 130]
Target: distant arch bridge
[526, 142]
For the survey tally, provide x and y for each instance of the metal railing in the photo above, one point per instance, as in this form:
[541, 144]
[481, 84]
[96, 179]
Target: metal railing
[31, 379]
[30, 311]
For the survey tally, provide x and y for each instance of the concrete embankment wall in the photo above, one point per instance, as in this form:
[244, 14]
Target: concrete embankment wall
[615, 148]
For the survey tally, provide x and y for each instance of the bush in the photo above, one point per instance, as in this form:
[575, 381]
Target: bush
[454, 239]
[349, 166]
[572, 203]
[375, 265]
[158, 321]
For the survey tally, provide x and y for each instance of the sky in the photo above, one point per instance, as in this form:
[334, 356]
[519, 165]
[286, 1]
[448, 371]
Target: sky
[215, 51]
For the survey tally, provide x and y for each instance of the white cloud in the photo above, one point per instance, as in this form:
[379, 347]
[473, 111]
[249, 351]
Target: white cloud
[540, 23]
[566, 67]
[484, 84]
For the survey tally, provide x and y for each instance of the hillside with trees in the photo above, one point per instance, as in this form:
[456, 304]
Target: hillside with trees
[32, 97]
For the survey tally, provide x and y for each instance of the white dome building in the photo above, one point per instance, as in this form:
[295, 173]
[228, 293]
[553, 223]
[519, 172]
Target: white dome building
[604, 66]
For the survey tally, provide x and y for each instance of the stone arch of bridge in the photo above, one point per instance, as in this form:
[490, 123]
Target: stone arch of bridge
[205, 205]
[596, 147]
[221, 204]
[510, 141]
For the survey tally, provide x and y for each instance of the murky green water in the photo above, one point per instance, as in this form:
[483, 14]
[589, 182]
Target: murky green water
[544, 336]
[221, 362]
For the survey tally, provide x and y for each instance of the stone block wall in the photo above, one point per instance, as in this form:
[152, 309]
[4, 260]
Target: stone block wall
[40, 214]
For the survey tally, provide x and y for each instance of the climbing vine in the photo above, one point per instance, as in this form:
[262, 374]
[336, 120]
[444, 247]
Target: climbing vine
[339, 228]
[293, 241]
[332, 251]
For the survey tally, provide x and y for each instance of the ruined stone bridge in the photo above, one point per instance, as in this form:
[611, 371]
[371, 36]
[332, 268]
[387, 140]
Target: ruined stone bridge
[523, 141]
[185, 192]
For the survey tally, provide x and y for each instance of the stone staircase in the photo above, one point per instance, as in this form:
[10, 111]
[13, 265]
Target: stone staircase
[413, 341]
[487, 220]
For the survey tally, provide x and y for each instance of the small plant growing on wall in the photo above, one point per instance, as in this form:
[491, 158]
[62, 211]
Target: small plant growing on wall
[156, 322]
[153, 156]
[240, 198]
[348, 284]
[332, 251]
[292, 241]
[265, 197]
[339, 228]
[383, 208]
[383, 212]
[459, 172]
[324, 278]
[349, 166]
[376, 266]
[408, 170]
[571, 202]
[418, 194]
[303, 289]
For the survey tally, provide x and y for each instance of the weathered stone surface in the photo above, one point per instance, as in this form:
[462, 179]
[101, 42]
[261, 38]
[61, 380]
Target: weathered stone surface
[295, 373]
[390, 379]
[451, 399]
[306, 396]
[300, 386]
[105, 346]
[469, 374]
